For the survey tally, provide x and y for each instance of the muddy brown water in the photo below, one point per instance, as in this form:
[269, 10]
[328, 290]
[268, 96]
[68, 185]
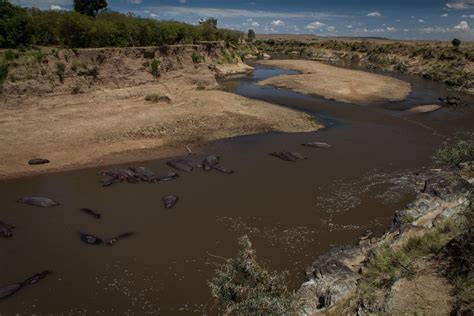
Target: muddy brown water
[291, 211]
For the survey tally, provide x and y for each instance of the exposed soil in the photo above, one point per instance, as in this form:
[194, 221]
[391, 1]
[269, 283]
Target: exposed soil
[110, 124]
[340, 84]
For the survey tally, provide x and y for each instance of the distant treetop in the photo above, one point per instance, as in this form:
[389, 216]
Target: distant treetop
[89, 7]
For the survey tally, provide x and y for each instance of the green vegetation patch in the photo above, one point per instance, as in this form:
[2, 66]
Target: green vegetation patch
[243, 287]
[456, 152]
[155, 98]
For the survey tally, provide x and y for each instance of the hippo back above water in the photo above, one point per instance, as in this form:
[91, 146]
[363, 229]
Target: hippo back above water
[38, 201]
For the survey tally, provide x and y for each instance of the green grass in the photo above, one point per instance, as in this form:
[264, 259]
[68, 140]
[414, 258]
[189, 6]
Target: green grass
[461, 149]
[389, 265]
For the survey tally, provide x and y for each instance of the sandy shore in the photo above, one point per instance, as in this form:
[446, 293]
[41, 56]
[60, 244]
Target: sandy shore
[111, 126]
[336, 83]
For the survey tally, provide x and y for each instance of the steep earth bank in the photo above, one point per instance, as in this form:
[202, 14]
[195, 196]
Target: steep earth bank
[435, 60]
[422, 265]
[92, 107]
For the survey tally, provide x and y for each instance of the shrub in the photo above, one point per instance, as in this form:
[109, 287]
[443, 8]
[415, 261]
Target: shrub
[241, 286]
[60, 68]
[456, 42]
[155, 98]
[155, 71]
[197, 58]
[461, 150]
[3, 70]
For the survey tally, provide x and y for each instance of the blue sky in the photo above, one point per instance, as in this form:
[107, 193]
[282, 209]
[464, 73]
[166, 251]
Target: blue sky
[402, 19]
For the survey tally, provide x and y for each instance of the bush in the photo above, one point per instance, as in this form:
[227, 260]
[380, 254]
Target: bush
[461, 150]
[155, 71]
[196, 58]
[155, 98]
[241, 286]
[22, 26]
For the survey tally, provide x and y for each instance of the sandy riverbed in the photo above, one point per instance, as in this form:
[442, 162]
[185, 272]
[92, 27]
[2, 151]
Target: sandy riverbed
[336, 83]
[111, 126]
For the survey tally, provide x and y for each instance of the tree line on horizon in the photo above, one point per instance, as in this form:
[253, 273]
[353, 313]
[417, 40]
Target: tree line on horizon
[91, 25]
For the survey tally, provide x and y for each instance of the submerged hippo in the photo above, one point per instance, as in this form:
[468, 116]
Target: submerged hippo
[170, 176]
[170, 201]
[186, 165]
[143, 173]
[11, 289]
[38, 201]
[222, 169]
[210, 162]
[115, 239]
[288, 156]
[38, 161]
[317, 145]
[112, 176]
[90, 239]
[90, 212]
[6, 230]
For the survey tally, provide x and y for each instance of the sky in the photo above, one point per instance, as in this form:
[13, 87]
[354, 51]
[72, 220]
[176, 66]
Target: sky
[398, 19]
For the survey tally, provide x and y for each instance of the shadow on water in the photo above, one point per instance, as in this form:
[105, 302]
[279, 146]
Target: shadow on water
[291, 211]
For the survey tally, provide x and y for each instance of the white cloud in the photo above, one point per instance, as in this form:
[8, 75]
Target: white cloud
[183, 1]
[314, 26]
[462, 26]
[42, 4]
[468, 16]
[460, 4]
[391, 29]
[444, 15]
[421, 21]
[134, 1]
[331, 28]
[375, 13]
[251, 22]
[349, 26]
[176, 11]
[278, 23]
[55, 7]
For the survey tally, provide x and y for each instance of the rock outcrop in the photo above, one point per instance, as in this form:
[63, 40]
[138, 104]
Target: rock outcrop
[333, 279]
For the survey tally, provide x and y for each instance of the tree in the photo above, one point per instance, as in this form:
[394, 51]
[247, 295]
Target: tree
[89, 7]
[15, 28]
[243, 287]
[251, 35]
[209, 21]
[456, 42]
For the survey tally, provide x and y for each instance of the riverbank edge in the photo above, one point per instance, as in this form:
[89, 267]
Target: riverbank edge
[342, 280]
[185, 77]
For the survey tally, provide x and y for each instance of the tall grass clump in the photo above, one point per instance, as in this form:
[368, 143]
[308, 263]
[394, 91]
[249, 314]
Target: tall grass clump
[460, 150]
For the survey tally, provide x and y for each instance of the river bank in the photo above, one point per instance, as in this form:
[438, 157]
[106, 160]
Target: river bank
[422, 264]
[125, 109]
[434, 60]
[339, 84]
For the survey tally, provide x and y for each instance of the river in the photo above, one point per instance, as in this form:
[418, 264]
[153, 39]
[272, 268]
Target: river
[292, 212]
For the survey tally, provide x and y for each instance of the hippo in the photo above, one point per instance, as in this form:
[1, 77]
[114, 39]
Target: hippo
[90, 239]
[38, 201]
[113, 240]
[317, 145]
[180, 164]
[90, 212]
[210, 162]
[222, 169]
[11, 289]
[143, 173]
[112, 176]
[170, 201]
[38, 161]
[6, 230]
[288, 156]
[168, 177]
